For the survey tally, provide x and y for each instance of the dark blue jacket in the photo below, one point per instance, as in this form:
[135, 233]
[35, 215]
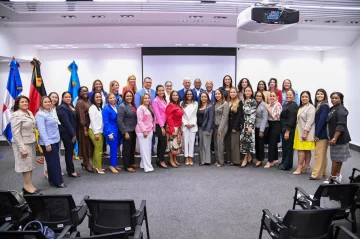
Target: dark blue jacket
[320, 121]
[209, 116]
[67, 118]
[196, 98]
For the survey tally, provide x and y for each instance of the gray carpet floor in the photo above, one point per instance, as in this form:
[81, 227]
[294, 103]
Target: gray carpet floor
[188, 202]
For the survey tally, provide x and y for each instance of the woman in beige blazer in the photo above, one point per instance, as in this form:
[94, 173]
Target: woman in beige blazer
[304, 140]
[23, 130]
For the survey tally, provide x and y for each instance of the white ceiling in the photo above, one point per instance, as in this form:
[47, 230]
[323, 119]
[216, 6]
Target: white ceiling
[170, 22]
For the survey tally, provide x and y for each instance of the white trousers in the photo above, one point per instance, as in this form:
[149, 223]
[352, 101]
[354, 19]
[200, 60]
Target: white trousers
[145, 151]
[189, 142]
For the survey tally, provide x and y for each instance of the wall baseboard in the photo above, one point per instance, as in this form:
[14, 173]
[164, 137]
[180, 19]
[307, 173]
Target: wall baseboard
[355, 147]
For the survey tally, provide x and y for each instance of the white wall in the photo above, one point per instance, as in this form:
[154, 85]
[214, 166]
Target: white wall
[343, 68]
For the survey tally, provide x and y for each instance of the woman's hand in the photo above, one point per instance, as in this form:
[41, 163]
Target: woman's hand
[48, 148]
[127, 136]
[317, 139]
[207, 133]
[97, 137]
[261, 134]
[286, 135]
[234, 131]
[163, 132]
[24, 154]
[333, 141]
[304, 136]
[73, 140]
[249, 129]
[111, 137]
[145, 134]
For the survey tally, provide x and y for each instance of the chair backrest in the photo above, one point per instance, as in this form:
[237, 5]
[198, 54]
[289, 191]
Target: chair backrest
[311, 224]
[115, 235]
[22, 235]
[337, 196]
[7, 203]
[106, 216]
[53, 211]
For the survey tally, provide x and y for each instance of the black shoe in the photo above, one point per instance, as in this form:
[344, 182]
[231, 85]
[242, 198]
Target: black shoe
[202, 164]
[311, 178]
[256, 166]
[29, 193]
[153, 153]
[73, 176]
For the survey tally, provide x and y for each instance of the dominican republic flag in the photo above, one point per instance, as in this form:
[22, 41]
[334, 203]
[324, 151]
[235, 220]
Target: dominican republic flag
[74, 83]
[13, 89]
[37, 87]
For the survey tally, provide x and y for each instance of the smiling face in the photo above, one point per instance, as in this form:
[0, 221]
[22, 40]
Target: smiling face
[128, 97]
[23, 104]
[261, 86]
[197, 84]
[46, 103]
[168, 87]
[289, 96]
[160, 92]
[132, 81]
[227, 81]
[209, 86]
[187, 84]
[175, 97]
[218, 95]
[98, 98]
[146, 101]
[287, 84]
[67, 98]
[335, 99]
[98, 86]
[115, 87]
[147, 83]
[305, 98]
[204, 98]
[84, 92]
[248, 93]
[233, 94]
[189, 95]
[273, 97]
[258, 97]
[244, 84]
[112, 99]
[54, 99]
[272, 84]
[320, 96]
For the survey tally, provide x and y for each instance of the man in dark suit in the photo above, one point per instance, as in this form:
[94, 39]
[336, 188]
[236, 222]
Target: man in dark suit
[187, 85]
[197, 89]
[209, 89]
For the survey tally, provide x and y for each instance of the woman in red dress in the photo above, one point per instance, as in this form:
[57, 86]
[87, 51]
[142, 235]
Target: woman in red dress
[131, 85]
[174, 115]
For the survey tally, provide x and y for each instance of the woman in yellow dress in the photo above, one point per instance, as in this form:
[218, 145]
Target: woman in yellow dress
[304, 140]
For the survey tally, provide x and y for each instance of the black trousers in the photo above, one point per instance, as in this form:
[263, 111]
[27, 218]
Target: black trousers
[273, 138]
[259, 144]
[287, 151]
[69, 150]
[53, 164]
[129, 149]
[161, 146]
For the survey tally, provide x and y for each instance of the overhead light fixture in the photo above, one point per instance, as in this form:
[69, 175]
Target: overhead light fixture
[139, 44]
[178, 44]
[270, 46]
[243, 45]
[331, 22]
[74, 47]
[69, 45]
[220, 17]
[54, 45]
[123, 44]
[257, 45]
[215, 21]
[97, 16]
[353, 22]
[198, 20]
[308, 20]
[182, 20]
[5, 60]
[109, 46]
[68, 16]
[4, 18]
[205, 44]
[44, 48]
[127, 16]
[60, 47]
[196, 17]
[191, 44]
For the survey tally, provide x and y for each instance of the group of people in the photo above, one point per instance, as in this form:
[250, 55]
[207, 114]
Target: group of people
[235, 121]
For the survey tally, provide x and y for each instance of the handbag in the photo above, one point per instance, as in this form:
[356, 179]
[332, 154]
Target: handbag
[47, 232]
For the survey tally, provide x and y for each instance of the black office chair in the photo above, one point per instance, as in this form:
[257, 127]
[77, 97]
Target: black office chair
[106, 216]
[22, 235]
[356, 179]
[347, 232]
[299, 224]
[115, 235]
[13, 208]
[341, 196]
[57, 211]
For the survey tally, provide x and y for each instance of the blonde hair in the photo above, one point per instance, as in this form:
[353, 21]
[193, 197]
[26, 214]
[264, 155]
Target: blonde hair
[134, 89]
[108, 96]
[142, 100]
[112, 83]
[235, 102]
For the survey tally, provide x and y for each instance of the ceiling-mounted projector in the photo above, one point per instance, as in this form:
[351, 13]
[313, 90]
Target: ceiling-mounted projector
[264, 17]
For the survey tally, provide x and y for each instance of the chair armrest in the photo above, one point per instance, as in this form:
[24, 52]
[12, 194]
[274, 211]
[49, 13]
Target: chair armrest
[353, 174]
[82, 203]
[268, 214]
[6, 226]
[303, 192]
[63, 232]
[142, 206]
[74, 234]
[347, 232]
[137, 233]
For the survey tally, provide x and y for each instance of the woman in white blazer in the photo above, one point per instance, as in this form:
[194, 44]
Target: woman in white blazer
[304, 139]
[189, 125]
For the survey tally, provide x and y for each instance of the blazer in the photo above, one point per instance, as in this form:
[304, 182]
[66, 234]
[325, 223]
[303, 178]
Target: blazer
[48, 128]
[126, 118]
[261, 120]
[320, 121]
[96, 120]
[67, 118]
[109, 116]
[306, 121]
[337, 120]
[196, 97]
[160, 111]
[288, 116]
[145, 120]
[23, 129]
[174, 115]
[189, 116]
[236, 118]
[125, 89]
[212, 99]
[181, 93]
[222, 116]
[142, 91]
[208, 120]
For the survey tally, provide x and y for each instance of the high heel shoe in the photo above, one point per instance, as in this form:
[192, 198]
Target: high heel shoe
[113, 169]
[29, 193]
[256, 165]
[187, 161]
[161, 166]
[84, 167]
[74, 176]
[306, 169]
[98, 171]
[176, 162]
[244, 165]
[298, 171]
[191, 161]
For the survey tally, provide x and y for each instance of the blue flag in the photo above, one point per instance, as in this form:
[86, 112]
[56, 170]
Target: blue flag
[12, 90]
[74, 86]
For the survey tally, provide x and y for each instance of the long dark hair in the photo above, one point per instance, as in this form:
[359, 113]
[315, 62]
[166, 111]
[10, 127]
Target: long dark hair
[171, 98]
[308, 93]
[341, 96]
[222, 96]
[184, 104]
[224, 86]
[262, 95]
[159, 86]
[102, 85]
[62, 96]
[265, 87]
[17, 101]
[273, 79]
[252, 92]
[93, 100]
[54, 93]
[208, 99]
[325, 101]
[79, 90]
[124, 99]
[240, 84]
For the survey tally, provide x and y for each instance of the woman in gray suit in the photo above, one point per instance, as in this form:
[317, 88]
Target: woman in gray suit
[23, 130]
[205, 122]
[261, 128]
[220, 126]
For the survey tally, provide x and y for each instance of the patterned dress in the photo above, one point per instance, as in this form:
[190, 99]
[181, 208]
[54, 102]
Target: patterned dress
[247, 141]
[82, 116]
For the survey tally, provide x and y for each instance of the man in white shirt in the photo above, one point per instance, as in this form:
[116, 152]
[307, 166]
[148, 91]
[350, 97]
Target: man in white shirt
[187, 85]
[197, 89]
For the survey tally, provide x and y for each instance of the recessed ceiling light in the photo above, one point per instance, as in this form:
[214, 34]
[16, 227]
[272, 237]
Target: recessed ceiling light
[4, 17]
[270, 46]
[331, 22]
[98, 16]
[127, 16]
[60, 47]
[69, 45]
[182, 20]
[353, 22]
[139, 44]
[243, 45]
[215, 21]
[251, 47]
[117, 20]
[196, 16]
[178, 44]
[198, 20]
[44, 48]
[68, 16]
[54, 45]
[109, 46]
[308, 20]
[191, 44]
[220, 17]
[205, 44]
[74, 47]
[5, 60]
